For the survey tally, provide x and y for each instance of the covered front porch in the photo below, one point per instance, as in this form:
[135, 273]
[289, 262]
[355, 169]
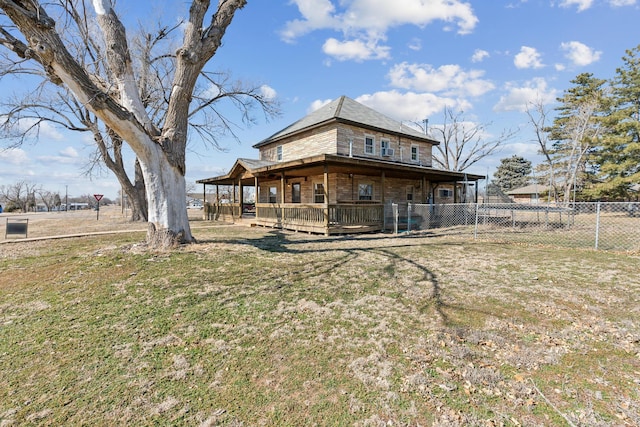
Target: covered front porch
[327, 194]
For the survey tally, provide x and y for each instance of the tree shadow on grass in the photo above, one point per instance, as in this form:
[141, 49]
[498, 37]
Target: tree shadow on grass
[353, 246]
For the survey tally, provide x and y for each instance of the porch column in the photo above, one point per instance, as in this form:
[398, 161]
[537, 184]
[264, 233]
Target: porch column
[424, 189]
[326, 199]
[383, 187]
[241, 195]
[282, 187]
[256, 196]
[204, 201]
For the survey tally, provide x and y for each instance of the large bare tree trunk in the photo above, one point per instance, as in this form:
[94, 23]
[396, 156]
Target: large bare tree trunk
[161, 152]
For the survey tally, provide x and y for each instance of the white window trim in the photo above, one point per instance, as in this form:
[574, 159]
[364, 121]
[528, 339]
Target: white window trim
[373, 145]
[417, 148]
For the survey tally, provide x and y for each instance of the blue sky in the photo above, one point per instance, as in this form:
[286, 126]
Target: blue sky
[408, 59]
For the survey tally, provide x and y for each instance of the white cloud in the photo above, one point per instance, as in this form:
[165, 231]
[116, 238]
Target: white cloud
[580, 54]
[14, 156]
[479, 55]
[582, 4]
[268, 92]
[211, 92]
[317, 104]
[67, 155]
[41, 130]
[316, 14]
[451, 80]
[410, 106]
[620, 3]
[528, 57]
[364, 22]
[415, 44]
[358, 50]
[519, 98]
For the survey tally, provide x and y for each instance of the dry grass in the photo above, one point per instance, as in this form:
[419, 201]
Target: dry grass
[256, 327]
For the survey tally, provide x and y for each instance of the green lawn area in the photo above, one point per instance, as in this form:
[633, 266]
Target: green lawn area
[252, 326]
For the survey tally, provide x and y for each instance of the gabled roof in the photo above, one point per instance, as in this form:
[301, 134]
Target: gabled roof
[346, 110]
[528, 189]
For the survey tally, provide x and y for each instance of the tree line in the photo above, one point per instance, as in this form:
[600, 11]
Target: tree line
[24, 196]
[591, 148]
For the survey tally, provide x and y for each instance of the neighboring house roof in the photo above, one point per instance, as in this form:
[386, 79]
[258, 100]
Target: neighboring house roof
[528, 189]
[346, 110]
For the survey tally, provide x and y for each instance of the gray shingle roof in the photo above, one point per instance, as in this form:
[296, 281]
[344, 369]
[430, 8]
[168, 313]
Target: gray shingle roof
[347, 110]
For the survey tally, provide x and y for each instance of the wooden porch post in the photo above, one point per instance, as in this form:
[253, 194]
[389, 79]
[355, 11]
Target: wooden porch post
[204, 201]
[326, 199]
[424, 189]
[282, 187]
[257, 199]
[241, 196]
[382, 199]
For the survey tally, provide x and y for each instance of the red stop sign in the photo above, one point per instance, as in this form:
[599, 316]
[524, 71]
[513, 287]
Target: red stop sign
[98, 196]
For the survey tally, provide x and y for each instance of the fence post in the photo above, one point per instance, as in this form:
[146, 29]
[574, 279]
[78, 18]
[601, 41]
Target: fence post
[597, 224]
[395, 217]
[408, 217]
[475, 229]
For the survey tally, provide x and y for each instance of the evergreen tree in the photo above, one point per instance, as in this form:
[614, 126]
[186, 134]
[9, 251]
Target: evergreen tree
[513, 172]
[618, 158]
[575, 132]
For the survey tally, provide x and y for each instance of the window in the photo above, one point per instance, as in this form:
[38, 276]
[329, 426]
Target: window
[365, 191]
[415, 155]
[369, 145]
[410, 193]
[445, 193]
[279, 153]
[385, 150]
[318, 193]
[384, 146]
[273, 194]
[295, 192]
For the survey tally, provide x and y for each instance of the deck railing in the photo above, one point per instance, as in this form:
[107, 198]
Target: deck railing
[222, 211]
[319, 217]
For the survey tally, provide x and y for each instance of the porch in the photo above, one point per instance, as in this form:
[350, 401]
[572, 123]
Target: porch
[328, 194]
[327, 219]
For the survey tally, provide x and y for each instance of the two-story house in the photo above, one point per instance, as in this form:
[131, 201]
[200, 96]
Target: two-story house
[334, 170]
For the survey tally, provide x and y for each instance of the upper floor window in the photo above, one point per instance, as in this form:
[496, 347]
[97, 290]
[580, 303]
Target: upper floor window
[279, 153]
[385, 149]
[369, 147]
[415, 154]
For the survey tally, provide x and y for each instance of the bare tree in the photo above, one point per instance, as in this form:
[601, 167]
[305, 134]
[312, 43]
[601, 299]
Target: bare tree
[463, 143]
[538, 119]
[48, 198]
[114, 97]
[152, 63]
[20, 195]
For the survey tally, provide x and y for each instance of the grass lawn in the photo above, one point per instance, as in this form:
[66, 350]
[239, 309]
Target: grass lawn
[257, 327]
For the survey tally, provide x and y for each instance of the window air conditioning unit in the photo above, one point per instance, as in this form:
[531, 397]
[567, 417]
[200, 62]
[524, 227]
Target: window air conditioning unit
[387, 152]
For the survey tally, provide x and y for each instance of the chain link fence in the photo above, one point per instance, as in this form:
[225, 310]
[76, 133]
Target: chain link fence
[597, 225]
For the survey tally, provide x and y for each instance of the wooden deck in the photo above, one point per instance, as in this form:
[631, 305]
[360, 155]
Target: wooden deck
[312, 218]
